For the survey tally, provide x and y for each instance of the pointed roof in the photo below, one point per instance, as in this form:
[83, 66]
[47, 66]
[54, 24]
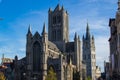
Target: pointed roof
[44, 29]
[75, 37]
[36, 35]
[87, 31]
[29, 29]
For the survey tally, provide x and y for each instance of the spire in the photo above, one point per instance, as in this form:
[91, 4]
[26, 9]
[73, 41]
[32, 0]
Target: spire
[87, 27]
[87, 31]
[29, 29]
[75, 37]
[44, 29]
[83, 37]
[50, 10]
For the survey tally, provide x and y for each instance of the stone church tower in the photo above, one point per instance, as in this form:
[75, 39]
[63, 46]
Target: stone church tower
[58, 31]
[89, 55]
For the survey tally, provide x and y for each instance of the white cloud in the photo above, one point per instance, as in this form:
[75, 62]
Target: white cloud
[102, 50]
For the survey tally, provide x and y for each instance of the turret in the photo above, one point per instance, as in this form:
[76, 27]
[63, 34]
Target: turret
[44, 30]
[77, 51]
[29, 38]
[44, 34]
[93, 42]
[29, 34]
[75, 37]
[45, 49]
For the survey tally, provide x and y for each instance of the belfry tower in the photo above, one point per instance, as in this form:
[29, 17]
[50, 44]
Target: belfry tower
[89, 56]
[58, 30]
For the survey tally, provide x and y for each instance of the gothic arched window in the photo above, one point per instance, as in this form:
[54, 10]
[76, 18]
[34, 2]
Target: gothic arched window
[36, 57]
[59, 34]
[54, 19]
[59, 19]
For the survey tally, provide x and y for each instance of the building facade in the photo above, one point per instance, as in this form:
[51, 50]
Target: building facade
[114, 41]
[89, 55]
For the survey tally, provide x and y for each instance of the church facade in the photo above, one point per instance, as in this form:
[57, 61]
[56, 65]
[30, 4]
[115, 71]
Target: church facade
[52, 49]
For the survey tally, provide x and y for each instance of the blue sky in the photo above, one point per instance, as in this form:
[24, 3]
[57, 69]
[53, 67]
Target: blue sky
[18, 14]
